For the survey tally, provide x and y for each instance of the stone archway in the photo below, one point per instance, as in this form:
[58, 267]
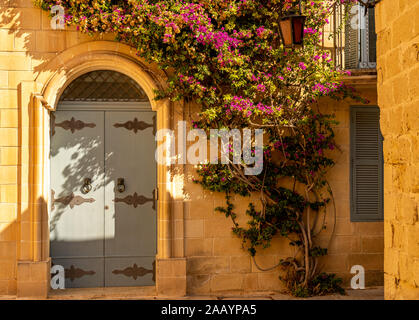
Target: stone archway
[37, 99]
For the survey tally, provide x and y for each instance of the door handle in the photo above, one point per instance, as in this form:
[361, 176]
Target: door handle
[87, 186]
[121, 185]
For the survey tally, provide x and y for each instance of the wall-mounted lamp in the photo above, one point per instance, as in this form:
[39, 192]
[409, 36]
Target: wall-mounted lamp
[291, 28]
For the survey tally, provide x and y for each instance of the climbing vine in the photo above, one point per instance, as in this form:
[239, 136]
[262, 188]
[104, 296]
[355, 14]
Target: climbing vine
[227, 55]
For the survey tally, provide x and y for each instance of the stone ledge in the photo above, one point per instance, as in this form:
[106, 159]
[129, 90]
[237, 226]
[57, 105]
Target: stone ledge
[375, 293]
[361, 79]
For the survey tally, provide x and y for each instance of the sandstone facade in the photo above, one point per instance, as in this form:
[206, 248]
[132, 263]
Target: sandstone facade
[398, 97]
[197, 252]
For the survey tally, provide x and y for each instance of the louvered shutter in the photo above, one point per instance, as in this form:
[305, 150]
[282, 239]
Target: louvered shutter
[351, 45]
[360, 39]
[366, 164]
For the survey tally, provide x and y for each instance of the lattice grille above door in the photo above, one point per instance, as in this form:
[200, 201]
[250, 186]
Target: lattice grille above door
[104, 85]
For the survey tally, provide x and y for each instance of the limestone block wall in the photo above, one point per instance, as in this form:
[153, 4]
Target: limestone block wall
[398, 97]
[215, 261]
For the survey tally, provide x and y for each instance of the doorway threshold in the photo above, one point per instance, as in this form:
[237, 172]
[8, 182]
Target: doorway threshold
[105, 293]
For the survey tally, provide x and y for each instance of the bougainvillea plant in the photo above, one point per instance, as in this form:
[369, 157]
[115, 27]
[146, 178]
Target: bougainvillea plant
[227, 55]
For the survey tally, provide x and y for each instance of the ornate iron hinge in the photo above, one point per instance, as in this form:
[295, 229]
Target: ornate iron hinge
[75, 273]
[73, 125]
[135, 200]
[135, 271]
[135, 125]
[70, 200]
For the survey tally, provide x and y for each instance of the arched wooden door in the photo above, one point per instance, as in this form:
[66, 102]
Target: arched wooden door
[103, 183]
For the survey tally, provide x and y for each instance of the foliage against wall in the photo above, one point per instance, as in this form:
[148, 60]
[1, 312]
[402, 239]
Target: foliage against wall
[228, 56]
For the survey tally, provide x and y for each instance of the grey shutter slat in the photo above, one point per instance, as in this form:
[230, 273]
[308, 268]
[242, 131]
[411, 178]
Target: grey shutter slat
[351, 45]
[366, 164]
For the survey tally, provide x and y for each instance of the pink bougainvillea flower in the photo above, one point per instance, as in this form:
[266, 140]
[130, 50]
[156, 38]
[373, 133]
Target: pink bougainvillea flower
[302, 66]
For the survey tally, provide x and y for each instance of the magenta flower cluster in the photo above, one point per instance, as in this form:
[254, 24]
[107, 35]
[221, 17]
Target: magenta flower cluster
[247, 107]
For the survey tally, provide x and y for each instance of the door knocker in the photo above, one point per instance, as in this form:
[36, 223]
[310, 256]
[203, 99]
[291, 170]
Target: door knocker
[87, 186]
[121, 185]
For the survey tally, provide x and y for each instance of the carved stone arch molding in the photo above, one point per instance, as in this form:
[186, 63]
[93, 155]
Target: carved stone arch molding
[37, 99]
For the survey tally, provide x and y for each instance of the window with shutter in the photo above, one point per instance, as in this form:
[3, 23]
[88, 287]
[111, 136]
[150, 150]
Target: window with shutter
[366, 164]
[360, 39]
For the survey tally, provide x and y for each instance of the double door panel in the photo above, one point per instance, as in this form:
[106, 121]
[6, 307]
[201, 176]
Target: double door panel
[103, 212]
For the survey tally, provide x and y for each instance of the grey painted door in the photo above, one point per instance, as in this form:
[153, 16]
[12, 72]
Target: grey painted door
[130, 215]
[103, 230]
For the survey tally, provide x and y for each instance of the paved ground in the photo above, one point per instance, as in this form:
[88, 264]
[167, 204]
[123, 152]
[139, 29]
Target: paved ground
[376, 293]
